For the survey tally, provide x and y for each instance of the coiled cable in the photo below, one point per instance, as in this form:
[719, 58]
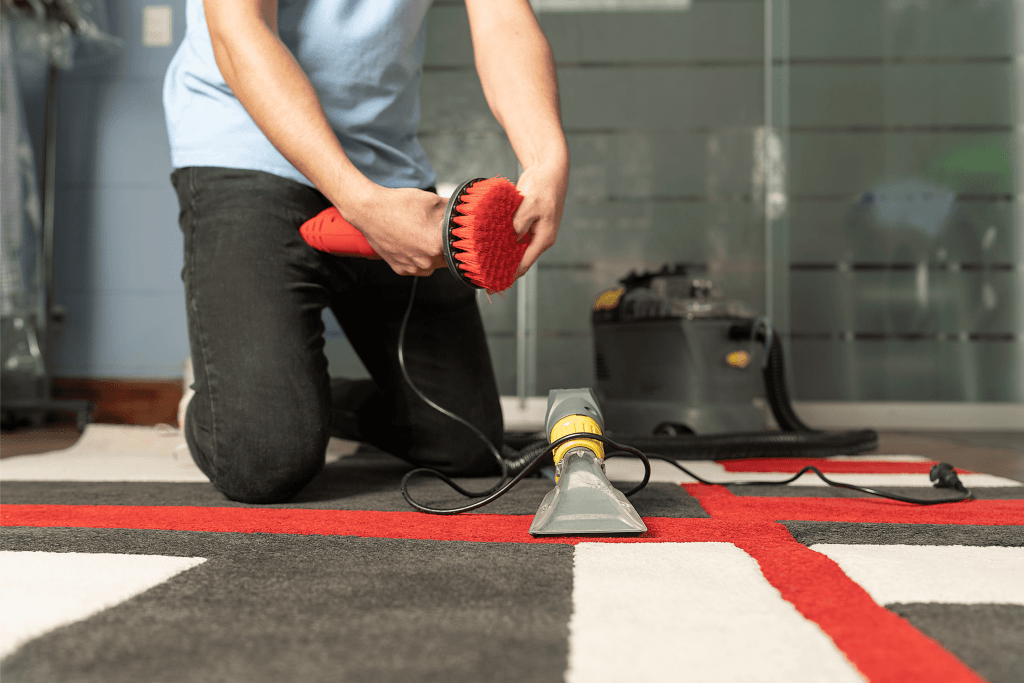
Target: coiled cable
[503, 486]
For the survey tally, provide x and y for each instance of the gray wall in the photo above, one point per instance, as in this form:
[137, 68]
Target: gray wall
[904, 278]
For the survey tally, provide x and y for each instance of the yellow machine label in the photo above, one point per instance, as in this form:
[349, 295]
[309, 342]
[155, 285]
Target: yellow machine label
[609, 300]
[573, 424]
[738, 359]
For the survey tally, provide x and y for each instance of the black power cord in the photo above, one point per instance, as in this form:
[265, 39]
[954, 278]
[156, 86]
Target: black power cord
[942, 475]
[444, 411]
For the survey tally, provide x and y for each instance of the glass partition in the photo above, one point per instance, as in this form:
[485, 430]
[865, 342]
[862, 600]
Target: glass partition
[905, 268]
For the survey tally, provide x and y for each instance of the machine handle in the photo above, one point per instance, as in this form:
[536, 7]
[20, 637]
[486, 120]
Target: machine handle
[574, 411]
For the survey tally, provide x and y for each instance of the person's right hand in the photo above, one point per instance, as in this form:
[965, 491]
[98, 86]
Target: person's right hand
[404, 227]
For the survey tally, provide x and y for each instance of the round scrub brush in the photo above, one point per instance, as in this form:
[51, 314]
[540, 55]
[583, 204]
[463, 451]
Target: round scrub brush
[481, 247]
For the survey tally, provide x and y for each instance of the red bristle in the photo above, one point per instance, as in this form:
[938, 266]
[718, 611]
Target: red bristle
[490, 249]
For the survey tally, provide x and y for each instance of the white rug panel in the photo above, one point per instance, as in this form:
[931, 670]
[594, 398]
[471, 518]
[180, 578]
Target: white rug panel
[923, 573]
[41, 591]
[124, 453]
[655, 612]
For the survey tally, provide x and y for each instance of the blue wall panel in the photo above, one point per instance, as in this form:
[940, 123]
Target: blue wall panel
[118, 249]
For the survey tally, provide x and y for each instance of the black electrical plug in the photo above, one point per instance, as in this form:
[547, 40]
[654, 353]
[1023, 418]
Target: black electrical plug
[943, 476]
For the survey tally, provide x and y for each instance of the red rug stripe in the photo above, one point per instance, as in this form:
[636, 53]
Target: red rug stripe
[793, 465]
[362, 523]
[720, 503]
[270, 521]
[883, 646]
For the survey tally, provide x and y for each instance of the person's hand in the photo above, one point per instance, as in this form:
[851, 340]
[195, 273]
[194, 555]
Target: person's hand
[404, 227]
[543, 189]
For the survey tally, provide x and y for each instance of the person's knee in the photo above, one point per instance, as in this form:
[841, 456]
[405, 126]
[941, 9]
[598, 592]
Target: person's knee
[262, 488]
[270, 470]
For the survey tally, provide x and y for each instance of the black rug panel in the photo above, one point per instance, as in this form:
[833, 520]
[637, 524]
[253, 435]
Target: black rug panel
[988, 638]
[334, 491]
[268, 607]
[851, 533]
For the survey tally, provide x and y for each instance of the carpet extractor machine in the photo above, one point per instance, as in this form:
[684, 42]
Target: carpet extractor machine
[679, 367]
[672, 356]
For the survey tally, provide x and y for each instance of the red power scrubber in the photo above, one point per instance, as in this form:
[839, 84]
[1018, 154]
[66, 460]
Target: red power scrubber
[481, 247]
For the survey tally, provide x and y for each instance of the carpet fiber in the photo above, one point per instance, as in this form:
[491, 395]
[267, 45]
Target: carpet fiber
[120, 563]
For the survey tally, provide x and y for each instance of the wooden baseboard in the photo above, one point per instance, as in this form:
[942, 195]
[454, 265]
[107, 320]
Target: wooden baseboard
[124, 401]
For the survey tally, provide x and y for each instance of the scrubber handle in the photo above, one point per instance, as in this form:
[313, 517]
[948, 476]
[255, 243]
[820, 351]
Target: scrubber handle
[328, 231]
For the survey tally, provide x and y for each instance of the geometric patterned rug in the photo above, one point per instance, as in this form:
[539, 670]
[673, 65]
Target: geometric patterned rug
[120, 562]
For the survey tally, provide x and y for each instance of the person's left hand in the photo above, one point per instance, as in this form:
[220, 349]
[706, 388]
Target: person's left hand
[543, 189]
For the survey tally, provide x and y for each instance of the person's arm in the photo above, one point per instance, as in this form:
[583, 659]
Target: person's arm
[517, 72]
[401, 225]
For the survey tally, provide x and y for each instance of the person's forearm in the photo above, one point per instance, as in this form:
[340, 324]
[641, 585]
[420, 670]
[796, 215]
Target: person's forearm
[272, 87]
[517, 73]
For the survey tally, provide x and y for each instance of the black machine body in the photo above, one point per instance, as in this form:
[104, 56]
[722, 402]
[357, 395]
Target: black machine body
[672, 355]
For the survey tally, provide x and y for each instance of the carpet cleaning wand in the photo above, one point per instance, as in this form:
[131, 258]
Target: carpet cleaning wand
[583, 500]
[481, 246]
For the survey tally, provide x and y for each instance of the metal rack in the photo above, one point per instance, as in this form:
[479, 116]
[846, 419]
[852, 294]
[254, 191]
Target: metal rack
[29, 334]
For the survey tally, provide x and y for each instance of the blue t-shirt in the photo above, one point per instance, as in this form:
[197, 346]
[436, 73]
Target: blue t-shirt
[364, 59]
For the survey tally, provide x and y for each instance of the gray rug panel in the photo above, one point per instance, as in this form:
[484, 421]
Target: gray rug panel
[988, 638]
[659, 499]
[311, 608]
[925, 492]
[334, 491]
[851, 533]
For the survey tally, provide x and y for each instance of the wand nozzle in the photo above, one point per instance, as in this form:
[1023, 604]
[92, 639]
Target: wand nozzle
[481, 247]
[583, 501]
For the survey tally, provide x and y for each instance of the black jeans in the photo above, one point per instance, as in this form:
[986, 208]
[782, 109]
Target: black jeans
[265, 406]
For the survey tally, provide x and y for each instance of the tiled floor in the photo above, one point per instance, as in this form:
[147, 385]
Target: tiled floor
[999, 453]
[37, 439]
